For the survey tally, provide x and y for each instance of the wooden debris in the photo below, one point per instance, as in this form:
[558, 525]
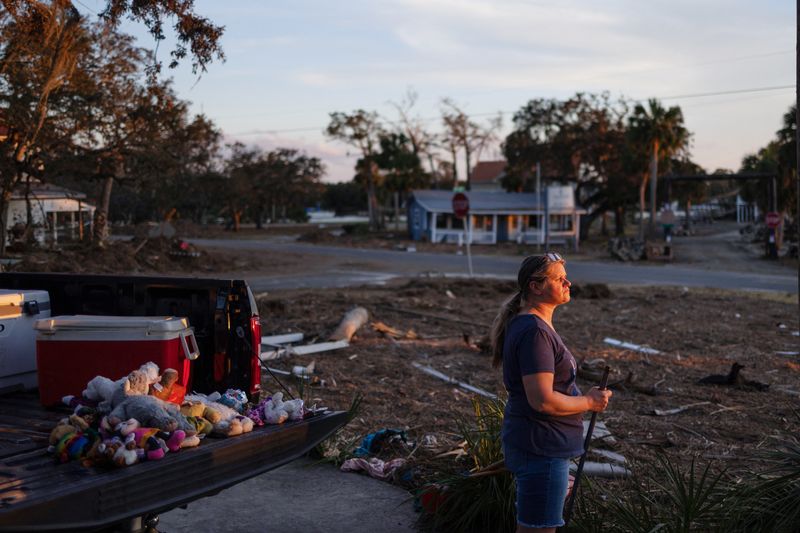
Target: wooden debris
[388, 331]
[630, 346]
[675, 411]
[435, 373]
[352, 321]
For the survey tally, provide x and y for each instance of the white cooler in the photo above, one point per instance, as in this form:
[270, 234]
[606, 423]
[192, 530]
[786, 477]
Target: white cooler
[18, 312]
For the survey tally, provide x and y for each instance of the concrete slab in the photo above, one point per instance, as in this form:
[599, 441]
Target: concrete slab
[301, 496]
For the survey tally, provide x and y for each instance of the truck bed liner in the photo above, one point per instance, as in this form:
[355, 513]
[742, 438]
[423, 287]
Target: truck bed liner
[37, 494]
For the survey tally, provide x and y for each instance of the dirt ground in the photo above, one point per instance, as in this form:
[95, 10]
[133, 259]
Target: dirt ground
[697, 332]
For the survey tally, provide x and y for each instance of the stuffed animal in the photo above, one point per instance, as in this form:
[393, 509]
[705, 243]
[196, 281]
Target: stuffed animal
[150, 412]
[67, 426]
[202, 426]
[102, 390]
[233, 398]
[168, 389]
[75, 445]
[274, 410]
[231, 423]
[293, 407]
[197, 408]
[154, 442]
[103, 454]
[125, 454]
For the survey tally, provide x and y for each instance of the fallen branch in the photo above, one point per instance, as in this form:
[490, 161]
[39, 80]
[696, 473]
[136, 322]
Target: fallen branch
[675, 411]
[435, 373]
[393, 333]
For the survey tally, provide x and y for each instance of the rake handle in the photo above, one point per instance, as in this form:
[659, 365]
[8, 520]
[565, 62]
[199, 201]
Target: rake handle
[577, 481]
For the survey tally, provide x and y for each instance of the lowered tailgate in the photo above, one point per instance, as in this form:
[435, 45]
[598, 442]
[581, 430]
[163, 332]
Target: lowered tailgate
[36, 494]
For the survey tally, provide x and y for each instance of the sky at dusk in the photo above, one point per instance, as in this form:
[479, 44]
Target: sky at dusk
[289, 64]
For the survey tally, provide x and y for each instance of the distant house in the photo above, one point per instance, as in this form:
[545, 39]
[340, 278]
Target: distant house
[55, 212]
[496, 217]
[486, 176]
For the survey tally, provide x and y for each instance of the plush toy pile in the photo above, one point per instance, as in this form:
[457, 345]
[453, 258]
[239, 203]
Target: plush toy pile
[147, 414]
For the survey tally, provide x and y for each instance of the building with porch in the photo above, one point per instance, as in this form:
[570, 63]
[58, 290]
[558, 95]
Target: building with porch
[56, 213]
[496, 217]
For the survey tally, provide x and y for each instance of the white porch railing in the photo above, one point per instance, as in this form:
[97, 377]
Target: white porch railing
[458, 236]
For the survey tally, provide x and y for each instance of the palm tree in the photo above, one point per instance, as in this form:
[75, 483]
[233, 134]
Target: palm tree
[663, 134]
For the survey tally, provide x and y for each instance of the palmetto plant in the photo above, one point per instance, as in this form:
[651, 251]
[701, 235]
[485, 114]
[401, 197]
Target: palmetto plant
[667, 498]
[481, 497]
[662, 497]
[769, 500]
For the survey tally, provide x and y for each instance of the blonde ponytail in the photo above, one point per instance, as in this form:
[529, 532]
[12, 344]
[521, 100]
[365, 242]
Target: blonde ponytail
[497, 336]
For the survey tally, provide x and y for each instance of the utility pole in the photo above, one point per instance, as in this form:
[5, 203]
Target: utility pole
[539, 202]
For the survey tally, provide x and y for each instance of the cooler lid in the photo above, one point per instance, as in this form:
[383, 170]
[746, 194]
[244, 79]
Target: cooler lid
[150, 324]
[12, 302]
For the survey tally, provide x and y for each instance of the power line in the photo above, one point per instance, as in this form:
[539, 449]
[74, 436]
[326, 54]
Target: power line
[483, 114]
[720, 93]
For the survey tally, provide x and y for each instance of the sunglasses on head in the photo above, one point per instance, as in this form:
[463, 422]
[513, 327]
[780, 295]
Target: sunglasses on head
[553, 257]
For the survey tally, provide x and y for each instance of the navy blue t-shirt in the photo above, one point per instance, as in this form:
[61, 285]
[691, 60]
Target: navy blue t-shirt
[531, 347]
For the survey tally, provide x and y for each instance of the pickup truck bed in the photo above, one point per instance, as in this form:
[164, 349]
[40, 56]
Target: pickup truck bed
[38, 494]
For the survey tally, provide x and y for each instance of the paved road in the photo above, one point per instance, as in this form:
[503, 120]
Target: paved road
[299, 497]
[358, 266]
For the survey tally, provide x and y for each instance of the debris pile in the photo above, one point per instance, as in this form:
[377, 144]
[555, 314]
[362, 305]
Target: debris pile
[662, 344]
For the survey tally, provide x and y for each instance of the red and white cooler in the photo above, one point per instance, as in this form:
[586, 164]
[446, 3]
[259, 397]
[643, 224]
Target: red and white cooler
[71, 350]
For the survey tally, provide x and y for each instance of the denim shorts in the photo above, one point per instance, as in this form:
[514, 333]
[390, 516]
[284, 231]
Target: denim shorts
[542, 484]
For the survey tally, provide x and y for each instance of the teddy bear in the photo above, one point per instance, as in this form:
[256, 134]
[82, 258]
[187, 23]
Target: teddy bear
[294, 408]
[167, 388]
[273, 410]
[101, 390]
[231, 423]
[200, 409]
[155, 442]
[125, 454]
[202, 426]
[102, 455]
[79, 422]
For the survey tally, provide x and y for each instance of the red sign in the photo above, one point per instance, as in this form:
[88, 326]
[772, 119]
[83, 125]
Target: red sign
[460, 204]
[772, 219]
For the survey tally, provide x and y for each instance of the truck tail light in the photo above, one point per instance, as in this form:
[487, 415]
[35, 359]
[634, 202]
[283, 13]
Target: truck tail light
[255, 356]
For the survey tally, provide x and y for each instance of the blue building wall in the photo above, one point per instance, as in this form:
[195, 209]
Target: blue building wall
[417, 219]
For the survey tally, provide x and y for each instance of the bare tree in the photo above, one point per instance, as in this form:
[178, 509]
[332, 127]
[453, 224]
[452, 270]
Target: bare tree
[363, 130]
[422, 140]
[462, 133]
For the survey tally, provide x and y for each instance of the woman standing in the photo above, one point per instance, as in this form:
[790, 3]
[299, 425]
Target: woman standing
[543, 421]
